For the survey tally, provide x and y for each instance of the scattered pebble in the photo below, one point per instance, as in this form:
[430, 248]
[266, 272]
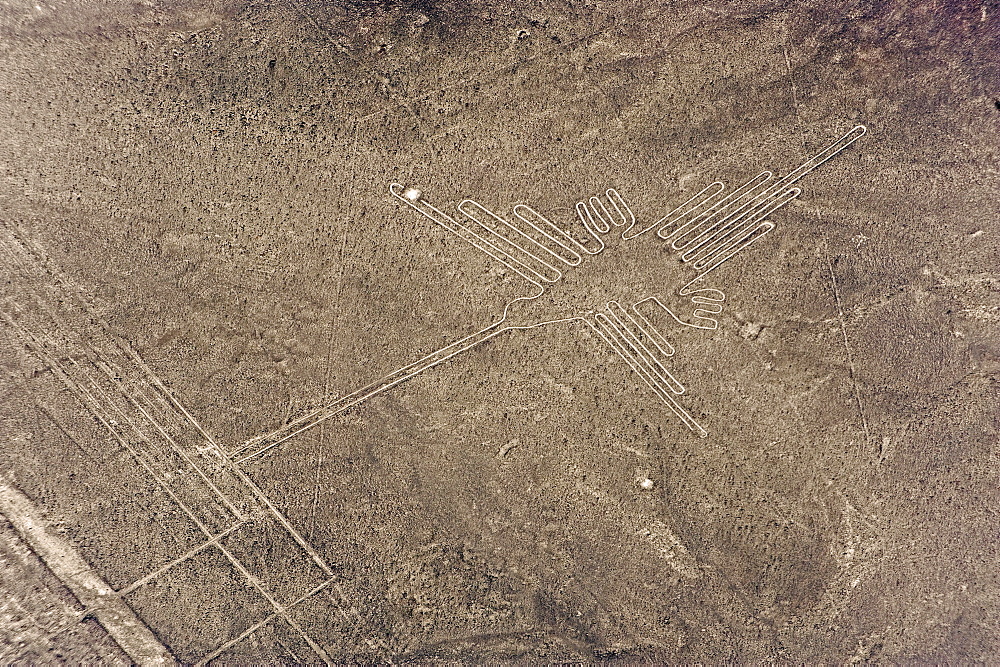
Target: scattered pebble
[412, 194]
[506, 448]
[646, 484]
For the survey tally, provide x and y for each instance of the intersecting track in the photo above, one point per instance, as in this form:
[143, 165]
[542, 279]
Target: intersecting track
[53, 318]
[570, 284]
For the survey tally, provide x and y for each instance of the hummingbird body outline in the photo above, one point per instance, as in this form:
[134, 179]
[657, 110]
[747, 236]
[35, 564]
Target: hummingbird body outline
[703, 232]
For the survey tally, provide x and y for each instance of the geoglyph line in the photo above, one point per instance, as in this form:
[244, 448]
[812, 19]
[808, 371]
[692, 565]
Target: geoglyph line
[31, 259]
[93, 592]
[57, 324]
[181, 559]
[113, 412]
[97, 407]
[705, 231]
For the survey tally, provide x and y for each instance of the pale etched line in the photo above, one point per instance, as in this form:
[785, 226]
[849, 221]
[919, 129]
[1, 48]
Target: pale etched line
[609, 332]
[483, 212]
[239, 515]
[612, 332]
[625, 323]
[735, 231]
[149, 446]
[75, 293]
[278, 608]
[709, 297]
[257, 626]
[593, 226]
[241, 475]
[598, 219]
[17, 253]
[121, 623]
[293, 654]
[676, 234]
[108, 422]
[716, 238]
[145, 457]
[62, 429]
[228, 645]
[96, 410]
[847, 344]
[745, 205]
[180, 559]
[746, 213]
[830, 151]
[30, 268]
[169, 439]
[593, 219]
[713, 261]
[561, 238]
[476, 240]
[167, 415]
[598, 216]
[262, 444]
[650, 331]
[797, 174]
[321, 450]
[113, 372]
[705, 196]
[233, 560]
[733, 243]
[267, 442]
[166, 392]
[96, 407]
[791, 80]
[258, 446]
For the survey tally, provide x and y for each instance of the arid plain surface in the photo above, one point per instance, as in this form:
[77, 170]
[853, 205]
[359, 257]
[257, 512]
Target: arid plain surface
[198, 245]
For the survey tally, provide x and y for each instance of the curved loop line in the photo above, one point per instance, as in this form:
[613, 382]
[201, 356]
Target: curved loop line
[562, 239]
[705, 196]
[444, 220]
[728, 229]
[606, 330]
[465, 204]
[721, 205]
[719, 258]
[592, 217]
[623, 210]
[651, 332]
[602, 214]
[797, 174]
[585, 217]
[853, 135]
[620, 316]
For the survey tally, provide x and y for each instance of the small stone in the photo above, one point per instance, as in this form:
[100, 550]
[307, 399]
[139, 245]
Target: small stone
[646, 484]
[412, 194]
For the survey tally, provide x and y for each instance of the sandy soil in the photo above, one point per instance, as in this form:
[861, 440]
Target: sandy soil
[200, 247]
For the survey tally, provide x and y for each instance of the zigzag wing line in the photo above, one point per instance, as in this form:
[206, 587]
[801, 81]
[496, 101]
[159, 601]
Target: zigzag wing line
[737, 227]
[559, 237]
[704, 197]
[444, 220]
[693, 226]
[505, 236]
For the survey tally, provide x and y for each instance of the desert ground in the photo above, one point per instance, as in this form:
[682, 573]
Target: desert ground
[220, 219]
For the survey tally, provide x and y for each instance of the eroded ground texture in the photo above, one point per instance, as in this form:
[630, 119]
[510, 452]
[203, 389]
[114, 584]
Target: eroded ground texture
[198, 245]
